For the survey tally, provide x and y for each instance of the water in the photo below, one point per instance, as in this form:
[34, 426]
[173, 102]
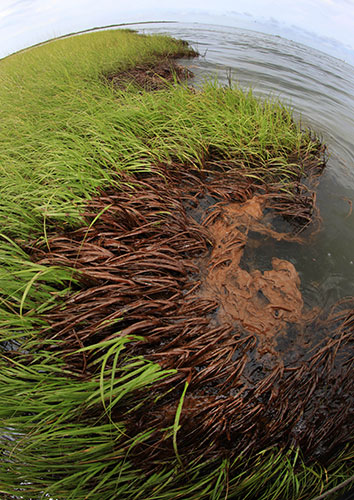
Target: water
[320, 89]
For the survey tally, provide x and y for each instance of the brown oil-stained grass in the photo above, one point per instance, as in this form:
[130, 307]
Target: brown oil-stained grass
[140, 271]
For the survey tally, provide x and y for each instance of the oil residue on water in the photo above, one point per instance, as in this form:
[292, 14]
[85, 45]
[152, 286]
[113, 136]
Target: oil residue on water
[266, 302]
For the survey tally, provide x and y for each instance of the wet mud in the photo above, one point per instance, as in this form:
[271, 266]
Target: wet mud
[167, 260]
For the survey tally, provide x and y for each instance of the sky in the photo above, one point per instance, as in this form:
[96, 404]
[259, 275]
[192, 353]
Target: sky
[325, 24]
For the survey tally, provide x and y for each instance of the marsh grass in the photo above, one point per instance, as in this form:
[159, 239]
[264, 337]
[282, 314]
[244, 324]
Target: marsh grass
[66, 134]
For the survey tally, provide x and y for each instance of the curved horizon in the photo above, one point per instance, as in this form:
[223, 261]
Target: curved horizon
[322, 24]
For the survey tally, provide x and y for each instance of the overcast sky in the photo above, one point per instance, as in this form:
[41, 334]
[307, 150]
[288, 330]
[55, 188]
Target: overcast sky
[26, 22]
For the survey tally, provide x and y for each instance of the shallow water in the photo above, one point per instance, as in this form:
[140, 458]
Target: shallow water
[320, 90]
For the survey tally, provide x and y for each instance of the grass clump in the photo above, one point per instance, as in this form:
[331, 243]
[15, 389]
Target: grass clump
[112, 384]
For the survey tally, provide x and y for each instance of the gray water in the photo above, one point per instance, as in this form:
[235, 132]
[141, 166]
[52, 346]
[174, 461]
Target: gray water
[320, 89]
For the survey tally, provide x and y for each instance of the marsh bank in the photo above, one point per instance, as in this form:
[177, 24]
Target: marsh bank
[136, 295]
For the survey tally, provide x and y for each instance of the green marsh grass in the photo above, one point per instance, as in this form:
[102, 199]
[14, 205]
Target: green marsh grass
[65, 131]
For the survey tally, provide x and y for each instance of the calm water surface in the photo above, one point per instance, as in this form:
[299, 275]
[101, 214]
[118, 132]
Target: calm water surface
[320, 90]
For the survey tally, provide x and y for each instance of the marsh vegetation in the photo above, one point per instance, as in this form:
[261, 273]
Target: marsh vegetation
[143, 353]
